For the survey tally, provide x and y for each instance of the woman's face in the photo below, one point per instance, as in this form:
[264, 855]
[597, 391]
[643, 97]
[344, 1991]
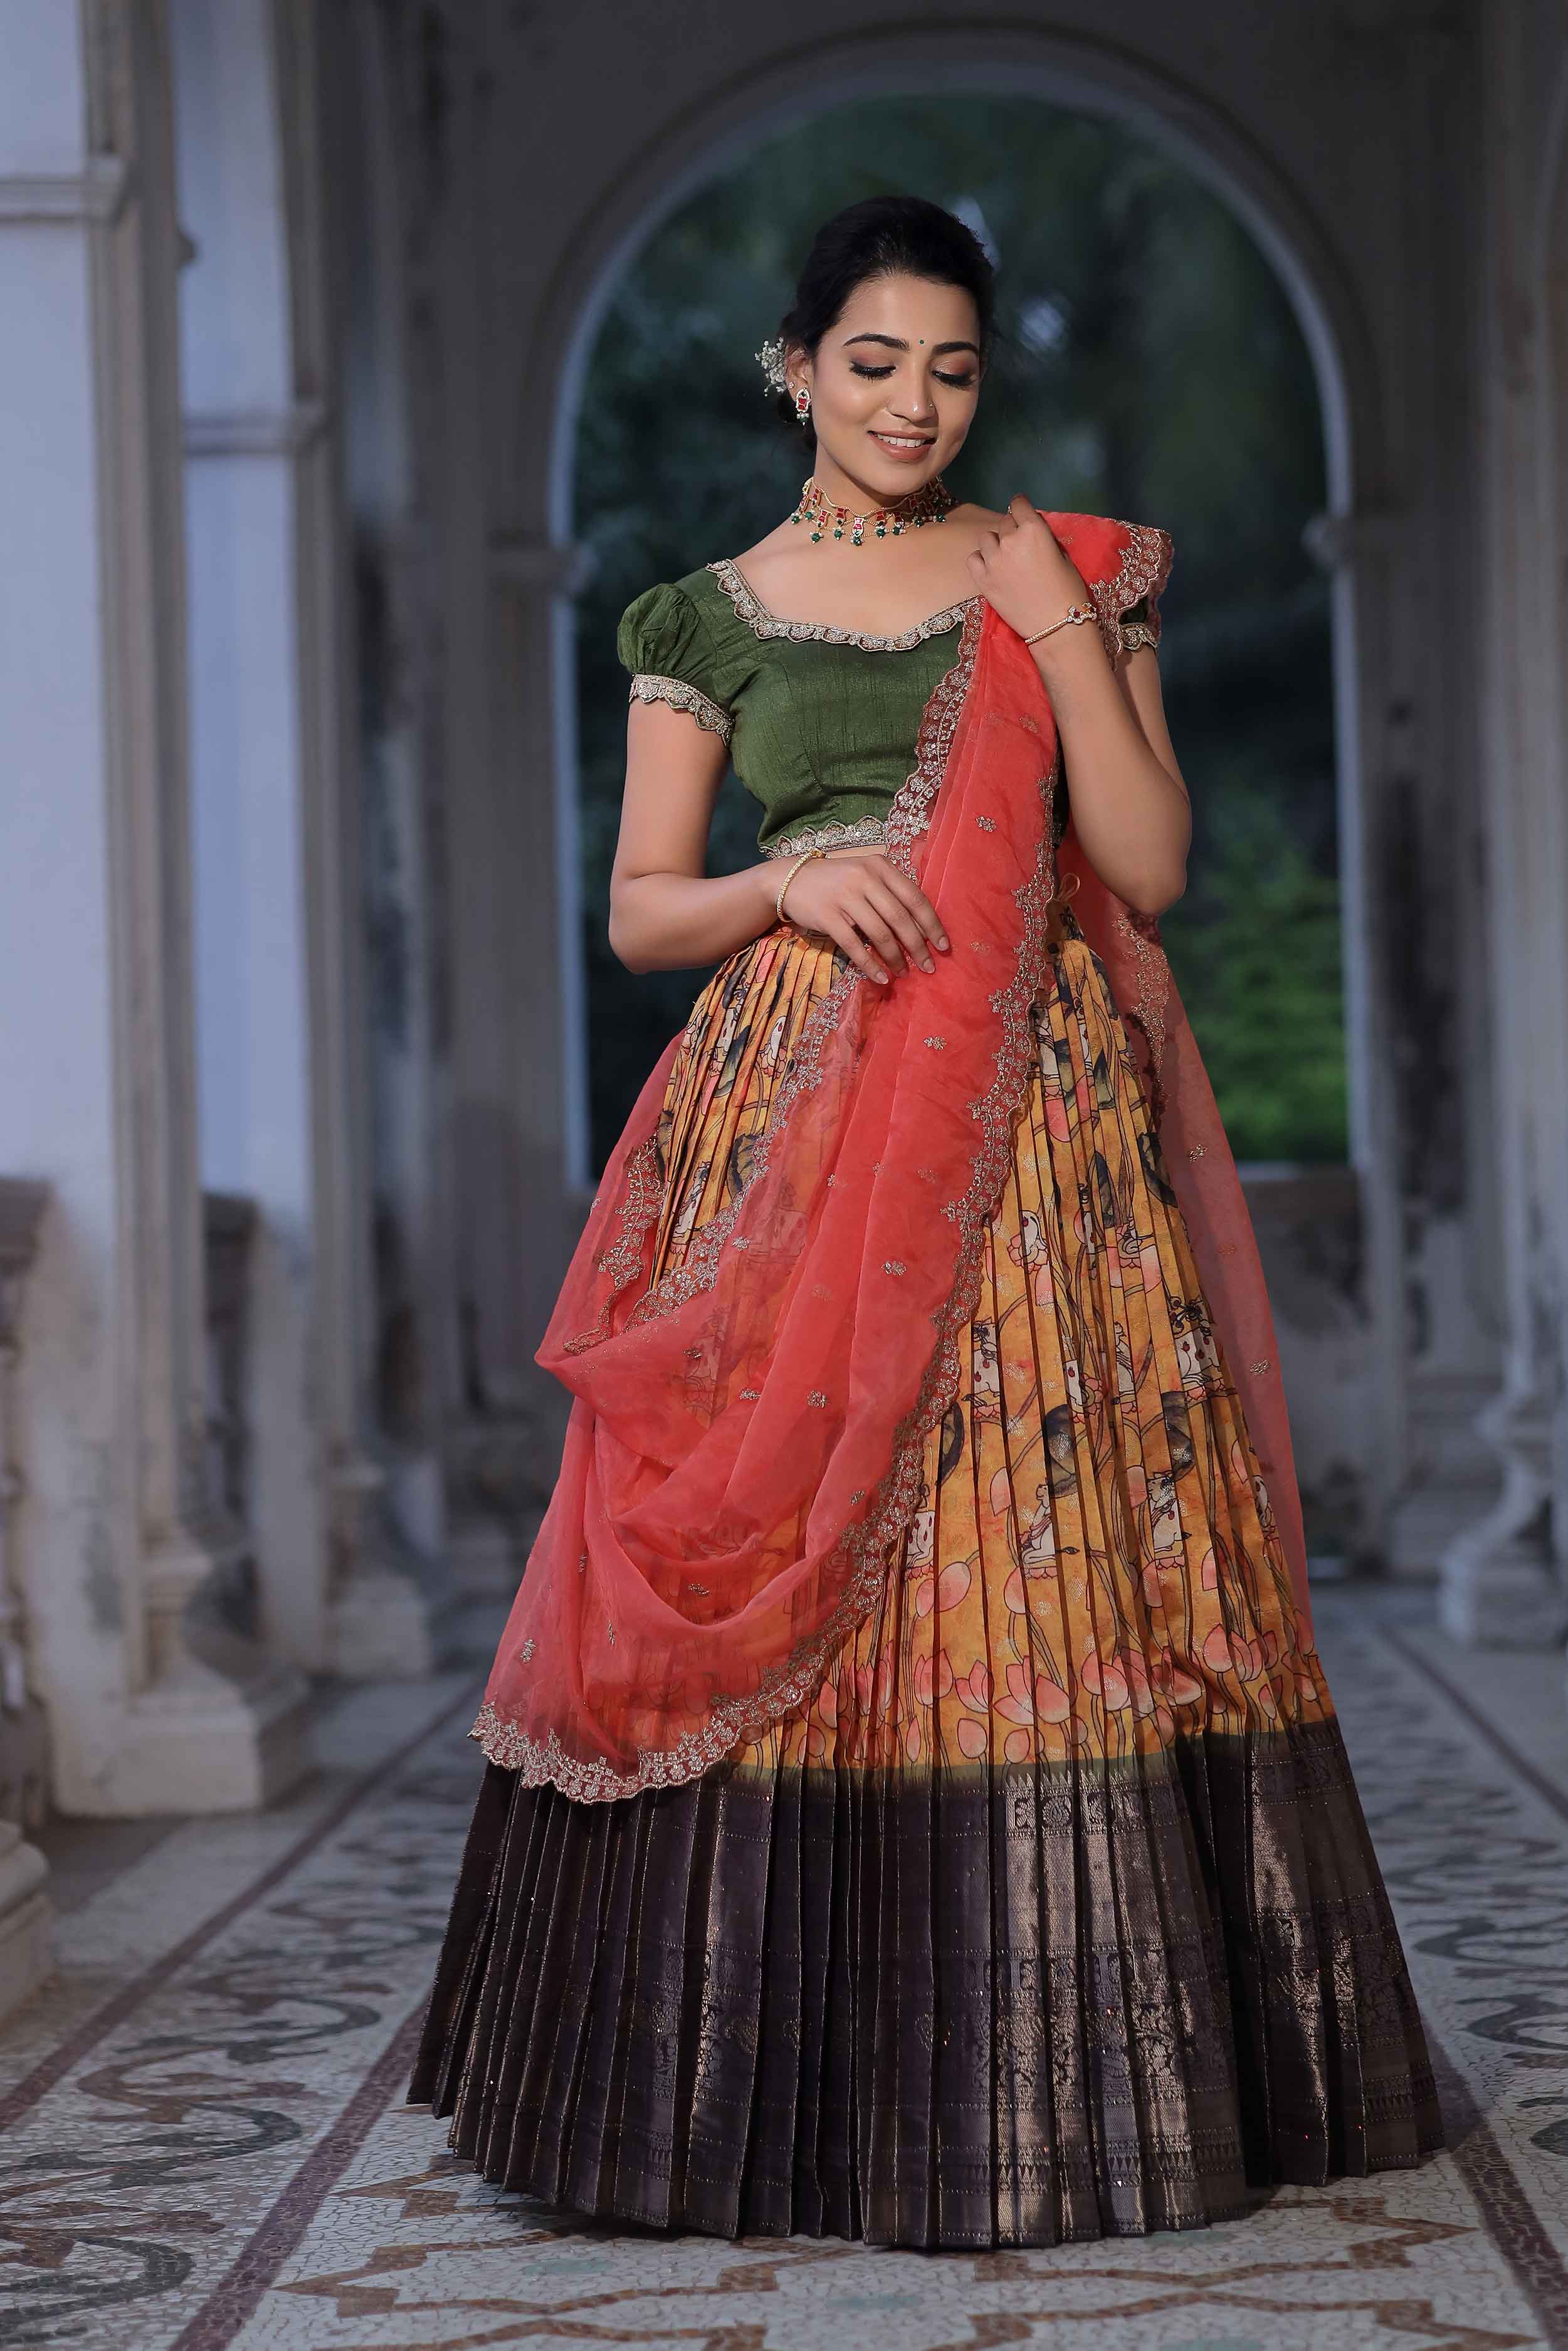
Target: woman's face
[893, 383]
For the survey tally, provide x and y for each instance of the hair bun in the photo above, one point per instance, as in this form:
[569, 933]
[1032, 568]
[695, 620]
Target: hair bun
[883, 236]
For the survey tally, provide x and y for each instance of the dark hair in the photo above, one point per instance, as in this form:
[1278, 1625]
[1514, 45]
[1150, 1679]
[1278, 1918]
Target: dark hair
[884, 236]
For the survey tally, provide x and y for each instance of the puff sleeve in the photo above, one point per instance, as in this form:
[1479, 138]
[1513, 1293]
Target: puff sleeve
[1141, 623]
[663, 644]
[1134, 596]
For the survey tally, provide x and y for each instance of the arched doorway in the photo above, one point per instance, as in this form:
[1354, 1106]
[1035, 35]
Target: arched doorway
[1063, 71]
[1148, 364]
[638, 185]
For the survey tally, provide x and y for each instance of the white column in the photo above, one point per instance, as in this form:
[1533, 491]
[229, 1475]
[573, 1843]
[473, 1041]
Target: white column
[535, 583]
[520, 1132]
[1549, 253]
[1361, 553]
[116, 1532]
[278, 927]
[493, 875]
[519, 1136]
[1498, 1587]
[27, 1914]
[399, 120]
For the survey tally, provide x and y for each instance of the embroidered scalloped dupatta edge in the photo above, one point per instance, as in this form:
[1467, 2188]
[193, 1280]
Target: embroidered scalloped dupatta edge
[746, 1440]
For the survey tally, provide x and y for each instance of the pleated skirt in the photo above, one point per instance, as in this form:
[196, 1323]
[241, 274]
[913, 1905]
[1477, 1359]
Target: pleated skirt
[1053, 1912]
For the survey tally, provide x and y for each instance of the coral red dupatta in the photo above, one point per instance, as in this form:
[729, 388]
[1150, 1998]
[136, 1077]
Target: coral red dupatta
[745, 1441]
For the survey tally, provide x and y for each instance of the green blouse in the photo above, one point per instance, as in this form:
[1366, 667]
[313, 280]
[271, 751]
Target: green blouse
[821, 723]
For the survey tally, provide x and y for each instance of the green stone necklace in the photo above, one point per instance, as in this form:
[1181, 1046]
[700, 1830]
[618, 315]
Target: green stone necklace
[930, 503]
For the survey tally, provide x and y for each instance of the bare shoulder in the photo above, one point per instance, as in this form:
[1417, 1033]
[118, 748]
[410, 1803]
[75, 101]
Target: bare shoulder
[975, 524]
[775, 542]
[968, 515]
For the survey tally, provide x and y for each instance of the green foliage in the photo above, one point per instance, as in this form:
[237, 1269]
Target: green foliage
[1256, 950]
[1147, 365]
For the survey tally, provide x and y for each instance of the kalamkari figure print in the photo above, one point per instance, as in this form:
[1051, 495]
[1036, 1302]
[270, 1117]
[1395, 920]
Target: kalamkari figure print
[915, 1806]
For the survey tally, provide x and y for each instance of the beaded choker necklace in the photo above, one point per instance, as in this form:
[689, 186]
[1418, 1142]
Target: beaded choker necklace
[929, 503]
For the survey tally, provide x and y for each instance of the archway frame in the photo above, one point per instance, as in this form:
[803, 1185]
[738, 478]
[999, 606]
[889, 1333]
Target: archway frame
[1357, 542]
[1546, 822]
[994, 59]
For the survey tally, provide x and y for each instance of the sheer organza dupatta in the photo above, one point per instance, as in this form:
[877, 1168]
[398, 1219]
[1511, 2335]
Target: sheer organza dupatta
[746, 1442]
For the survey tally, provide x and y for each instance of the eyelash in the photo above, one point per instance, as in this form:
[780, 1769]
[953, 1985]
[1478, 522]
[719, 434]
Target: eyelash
[959, 382]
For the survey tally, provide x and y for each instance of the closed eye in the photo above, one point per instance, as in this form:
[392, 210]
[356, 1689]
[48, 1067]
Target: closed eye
[959, 382]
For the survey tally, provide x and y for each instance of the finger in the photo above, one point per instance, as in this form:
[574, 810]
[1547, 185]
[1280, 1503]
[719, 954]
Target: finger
[1023, 511]
[919, 905]
[843, 933]
[897, 915]
[905, 916]
[915, 899]
[868, 919]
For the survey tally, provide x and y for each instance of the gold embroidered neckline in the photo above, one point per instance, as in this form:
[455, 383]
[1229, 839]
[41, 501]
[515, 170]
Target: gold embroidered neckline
[750, 608]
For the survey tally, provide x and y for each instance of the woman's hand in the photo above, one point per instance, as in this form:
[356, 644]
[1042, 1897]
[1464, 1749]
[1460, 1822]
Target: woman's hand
[1022, 571]
[876, 914]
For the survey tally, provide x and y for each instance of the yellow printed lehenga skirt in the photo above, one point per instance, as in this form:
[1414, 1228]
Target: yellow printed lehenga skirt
[1053, 1912]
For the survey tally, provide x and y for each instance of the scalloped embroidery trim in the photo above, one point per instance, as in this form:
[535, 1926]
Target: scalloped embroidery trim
[907, 819]
[1144, 568]
[841, 833]
[750, 608]
[649, 686]
[1147, 1010]
[868, 1545]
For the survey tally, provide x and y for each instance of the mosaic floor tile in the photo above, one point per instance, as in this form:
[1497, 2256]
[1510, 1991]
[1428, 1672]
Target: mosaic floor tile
[207, 2150]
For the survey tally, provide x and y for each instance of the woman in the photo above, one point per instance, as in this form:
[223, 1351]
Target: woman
[914, 1810]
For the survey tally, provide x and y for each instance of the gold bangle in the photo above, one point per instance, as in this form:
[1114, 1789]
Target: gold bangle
[795, 865]
[1073, 617]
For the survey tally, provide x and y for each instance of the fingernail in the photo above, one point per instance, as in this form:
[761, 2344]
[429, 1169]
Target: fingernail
[943, 945]
[926, 964]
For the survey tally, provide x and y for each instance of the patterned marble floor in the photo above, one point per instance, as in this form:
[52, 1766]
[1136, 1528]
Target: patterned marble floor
[205, 2148]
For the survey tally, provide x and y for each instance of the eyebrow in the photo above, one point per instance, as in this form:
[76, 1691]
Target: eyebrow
[897, 343]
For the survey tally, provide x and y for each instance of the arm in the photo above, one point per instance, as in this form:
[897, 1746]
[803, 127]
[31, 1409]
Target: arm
[1130, 806]
[665, 915]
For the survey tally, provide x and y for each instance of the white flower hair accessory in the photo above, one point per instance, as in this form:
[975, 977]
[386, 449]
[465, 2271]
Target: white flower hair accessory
[770, 358]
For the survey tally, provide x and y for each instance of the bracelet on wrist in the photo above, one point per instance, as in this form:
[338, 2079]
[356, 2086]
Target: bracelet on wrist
[795, 865]
[1074, 618]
